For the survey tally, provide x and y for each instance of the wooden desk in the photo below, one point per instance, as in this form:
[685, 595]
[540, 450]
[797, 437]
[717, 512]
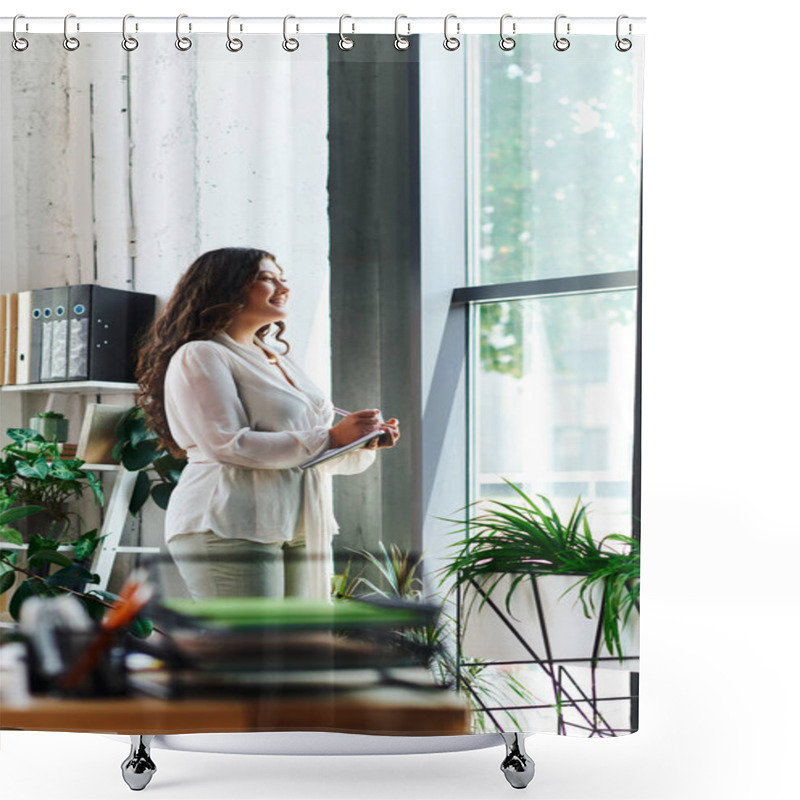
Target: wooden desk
[387, 711]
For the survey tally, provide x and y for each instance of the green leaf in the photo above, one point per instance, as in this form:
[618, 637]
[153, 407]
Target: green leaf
[51, 557]
[96, 609]
[7, 578]
[104, 594]
[10, 535]
[96, 487]
[161, 493]
[74, 577]
[141, 434]
[28, 588]
[39, 469]
[86, 545]
[13, 514]
[141, 491]
[64, 471]
[141, 627]
[24, 435]
[39, 543]
[140, 457]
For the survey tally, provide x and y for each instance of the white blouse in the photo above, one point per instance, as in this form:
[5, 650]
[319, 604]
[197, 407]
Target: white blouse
[246, 430]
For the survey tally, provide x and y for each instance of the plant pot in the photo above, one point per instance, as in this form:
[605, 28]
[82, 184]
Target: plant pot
[572, 638]
[52, 429]
[41, 523]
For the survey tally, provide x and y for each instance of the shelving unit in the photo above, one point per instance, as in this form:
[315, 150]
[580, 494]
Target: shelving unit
[116, 508]
[72, 387]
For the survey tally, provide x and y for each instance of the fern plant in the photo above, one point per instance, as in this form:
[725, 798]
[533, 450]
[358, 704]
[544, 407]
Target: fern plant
[530, 538]
[401, 573]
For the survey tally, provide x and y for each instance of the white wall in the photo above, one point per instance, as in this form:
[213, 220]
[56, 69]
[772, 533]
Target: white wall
[121, 168]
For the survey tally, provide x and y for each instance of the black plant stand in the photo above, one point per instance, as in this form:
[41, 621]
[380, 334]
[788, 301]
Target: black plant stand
[568, 692]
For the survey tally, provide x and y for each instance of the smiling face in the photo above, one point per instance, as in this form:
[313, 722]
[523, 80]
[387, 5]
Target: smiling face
[267, 297]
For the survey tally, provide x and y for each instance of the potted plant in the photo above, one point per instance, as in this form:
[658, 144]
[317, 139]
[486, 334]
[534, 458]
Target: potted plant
[46, 569]
[479, 686]
[137, 449]
[52, 426]
[511, 546]
[34, 474]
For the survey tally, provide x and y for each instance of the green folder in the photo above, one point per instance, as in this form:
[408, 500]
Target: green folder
[290, 612]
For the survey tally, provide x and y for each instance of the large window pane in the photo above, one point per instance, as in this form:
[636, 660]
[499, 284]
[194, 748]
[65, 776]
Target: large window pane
[553, 389]
[557, 187]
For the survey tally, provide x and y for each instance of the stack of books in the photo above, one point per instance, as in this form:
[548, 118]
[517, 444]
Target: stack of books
[71, 333]
[259, 646]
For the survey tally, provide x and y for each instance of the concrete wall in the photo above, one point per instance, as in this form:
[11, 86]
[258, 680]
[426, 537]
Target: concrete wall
[120, 168]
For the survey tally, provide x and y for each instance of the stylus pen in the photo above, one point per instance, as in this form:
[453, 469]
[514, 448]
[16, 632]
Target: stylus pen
[342, 413]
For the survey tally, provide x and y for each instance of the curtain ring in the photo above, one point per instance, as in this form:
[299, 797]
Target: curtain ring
[451, 42]
[289, 45]
[561, 43]
[70, 42]
[506, 42]
[234, 45]
[181, 42]
[128, 42]
[400, 42]
[18, 43]
[345, 42]
[623, 45]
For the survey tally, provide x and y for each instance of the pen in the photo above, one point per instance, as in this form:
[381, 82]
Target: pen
[342, 413]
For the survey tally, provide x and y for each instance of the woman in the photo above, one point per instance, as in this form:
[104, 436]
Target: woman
[245, 519]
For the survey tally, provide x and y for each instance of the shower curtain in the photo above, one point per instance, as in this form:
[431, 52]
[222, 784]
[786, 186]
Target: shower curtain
[460, 226]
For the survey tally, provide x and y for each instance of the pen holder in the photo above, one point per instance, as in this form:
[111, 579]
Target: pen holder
[106, 676]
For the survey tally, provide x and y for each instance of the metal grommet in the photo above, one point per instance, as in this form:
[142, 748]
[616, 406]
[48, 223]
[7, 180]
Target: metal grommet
[234, 45]
[400, 42]
[623, 45]
[18, 43]
[450, 42]
[128, 42]
[289, 45]
[70, 42]
[506, 42]
[182, 42]
[561, 43]
[345, 42]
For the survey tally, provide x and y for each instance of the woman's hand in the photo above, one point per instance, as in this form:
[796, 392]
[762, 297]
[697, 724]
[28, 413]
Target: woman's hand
[354, 426]
[388, 438]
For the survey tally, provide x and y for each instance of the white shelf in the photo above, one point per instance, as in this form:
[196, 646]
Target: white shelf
[73, 387]
[121, 549]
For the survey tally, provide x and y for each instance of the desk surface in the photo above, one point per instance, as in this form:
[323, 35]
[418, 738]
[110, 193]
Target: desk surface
[389, 711]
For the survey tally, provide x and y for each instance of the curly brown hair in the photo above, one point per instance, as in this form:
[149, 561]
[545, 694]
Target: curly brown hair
[206, 298]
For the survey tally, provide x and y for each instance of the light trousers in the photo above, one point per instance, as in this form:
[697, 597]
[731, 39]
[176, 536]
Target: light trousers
[213, 566]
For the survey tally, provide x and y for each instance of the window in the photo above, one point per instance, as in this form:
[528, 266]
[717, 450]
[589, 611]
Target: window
[553, 252]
